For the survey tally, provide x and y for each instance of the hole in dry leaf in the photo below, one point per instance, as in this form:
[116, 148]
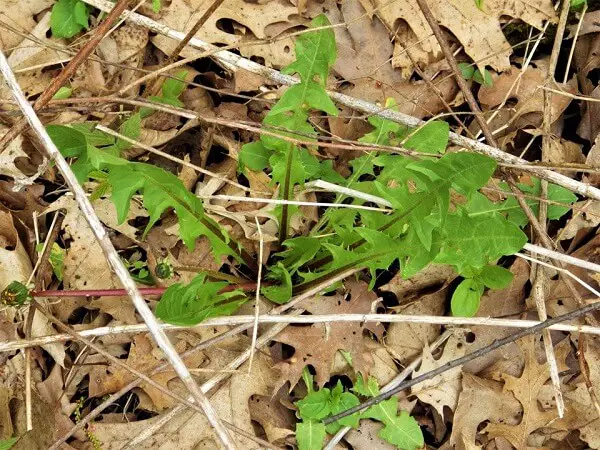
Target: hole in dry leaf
[470, 337]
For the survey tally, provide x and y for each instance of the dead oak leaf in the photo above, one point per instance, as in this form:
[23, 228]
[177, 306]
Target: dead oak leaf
[478, 30]
[142, 357]
[251, 22]
[443, 389]
[526, 390]
[318, 344]
[481, 400]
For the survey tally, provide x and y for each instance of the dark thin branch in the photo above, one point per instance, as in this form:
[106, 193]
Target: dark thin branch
[465, 359]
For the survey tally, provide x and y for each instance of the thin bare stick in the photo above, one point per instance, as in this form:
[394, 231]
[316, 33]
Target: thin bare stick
[572, 51]
[276, 201]
[233, 60]
[408, 370]
[111, 254]
[261, 242]
[249, 320]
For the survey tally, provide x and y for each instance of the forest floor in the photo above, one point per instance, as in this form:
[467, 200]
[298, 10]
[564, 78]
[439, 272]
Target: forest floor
[430, 188]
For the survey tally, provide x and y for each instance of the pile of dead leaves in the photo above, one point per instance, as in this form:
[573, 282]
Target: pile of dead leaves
[386, 49]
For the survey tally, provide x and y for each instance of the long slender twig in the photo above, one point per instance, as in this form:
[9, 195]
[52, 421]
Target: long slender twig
[236, 61]
[540, 273]
[111, 254]
[317, 318]
[68, 71]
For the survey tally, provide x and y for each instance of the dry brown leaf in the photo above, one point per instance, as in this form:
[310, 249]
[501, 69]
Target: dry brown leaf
[125, 45]
[318, 344]
[277, 420]
[11, 155]
[366, 437]
[442, 390]
[245, 22]
[20, 15]
[481, 400]
[431, 276]
[15, 264]
[190, 429]
[406, 340]
[526, 390]
[593, 160]
[527, 112]
[585, 217]
[144, 357]
[479, 31]
[87, 268]
[363, 45]
[24, 203]
[581, 413]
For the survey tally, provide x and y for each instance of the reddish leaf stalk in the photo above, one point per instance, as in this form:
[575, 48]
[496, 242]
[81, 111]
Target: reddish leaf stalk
[119, 292]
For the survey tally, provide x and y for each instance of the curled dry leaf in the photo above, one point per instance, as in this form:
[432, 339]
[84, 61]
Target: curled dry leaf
[318, 344]
[433, 275]
[9, 158]
[481, 400]
[405, 341]
[87, 268]
[15, 264]
[126, 45]
[145, 357]
[586, 215]
[277, 420]
[21, 15]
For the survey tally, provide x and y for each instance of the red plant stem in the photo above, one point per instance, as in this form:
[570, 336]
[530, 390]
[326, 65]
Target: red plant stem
[119, 292]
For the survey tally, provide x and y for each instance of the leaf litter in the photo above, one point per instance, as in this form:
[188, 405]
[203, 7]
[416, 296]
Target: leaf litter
[383, 51]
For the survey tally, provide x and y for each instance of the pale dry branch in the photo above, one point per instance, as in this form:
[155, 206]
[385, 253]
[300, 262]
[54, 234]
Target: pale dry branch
[317, 318]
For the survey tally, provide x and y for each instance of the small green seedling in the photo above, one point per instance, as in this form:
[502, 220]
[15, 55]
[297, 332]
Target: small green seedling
[68, 18]
[469, 72]
[400, 429]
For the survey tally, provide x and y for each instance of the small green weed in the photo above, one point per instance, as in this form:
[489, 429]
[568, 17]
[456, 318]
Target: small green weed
[69, 17]
[400, 430]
